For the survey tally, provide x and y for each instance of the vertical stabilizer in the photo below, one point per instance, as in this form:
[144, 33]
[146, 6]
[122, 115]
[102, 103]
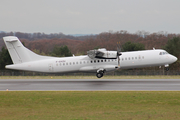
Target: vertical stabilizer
[18, 52]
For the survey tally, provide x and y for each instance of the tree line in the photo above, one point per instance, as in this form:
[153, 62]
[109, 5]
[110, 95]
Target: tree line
[38, 35]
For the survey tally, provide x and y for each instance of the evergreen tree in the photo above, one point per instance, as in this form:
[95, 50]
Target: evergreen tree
[129, 46]
[62, 51]
[173, 46]
[5, 58]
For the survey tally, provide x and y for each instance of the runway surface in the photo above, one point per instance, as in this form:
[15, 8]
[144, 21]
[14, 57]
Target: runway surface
[89, 84]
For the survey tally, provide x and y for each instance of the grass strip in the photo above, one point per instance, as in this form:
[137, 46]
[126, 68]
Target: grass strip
[88, 105]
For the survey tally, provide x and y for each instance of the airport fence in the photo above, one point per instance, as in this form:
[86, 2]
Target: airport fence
[114, 73]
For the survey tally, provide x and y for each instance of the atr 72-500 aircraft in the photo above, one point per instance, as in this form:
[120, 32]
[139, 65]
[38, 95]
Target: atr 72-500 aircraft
[97, 61]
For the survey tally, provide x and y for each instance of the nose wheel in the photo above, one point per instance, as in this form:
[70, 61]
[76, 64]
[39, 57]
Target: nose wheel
[167, 68]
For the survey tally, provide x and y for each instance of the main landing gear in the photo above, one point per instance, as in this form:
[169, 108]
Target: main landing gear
[99, 73]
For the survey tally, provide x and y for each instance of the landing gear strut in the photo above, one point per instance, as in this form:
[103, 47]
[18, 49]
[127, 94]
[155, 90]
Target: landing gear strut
[99, 74]
[167, 68]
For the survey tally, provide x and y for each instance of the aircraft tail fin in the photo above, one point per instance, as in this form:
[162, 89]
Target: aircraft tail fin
[18, 52]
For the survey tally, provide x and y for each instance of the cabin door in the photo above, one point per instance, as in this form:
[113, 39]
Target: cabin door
[50, 67]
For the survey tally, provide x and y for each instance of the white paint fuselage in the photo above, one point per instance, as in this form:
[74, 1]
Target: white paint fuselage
[146, 58]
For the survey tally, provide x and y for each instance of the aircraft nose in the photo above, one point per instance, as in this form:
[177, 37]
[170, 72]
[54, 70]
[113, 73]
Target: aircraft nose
[174, 58]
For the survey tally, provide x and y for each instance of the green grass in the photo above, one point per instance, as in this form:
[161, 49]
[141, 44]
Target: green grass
[96, 105]
[93, 77]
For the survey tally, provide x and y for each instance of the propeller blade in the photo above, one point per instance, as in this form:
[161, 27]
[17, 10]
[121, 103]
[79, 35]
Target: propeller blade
[118, 53]
[118, 47]
[118, 62]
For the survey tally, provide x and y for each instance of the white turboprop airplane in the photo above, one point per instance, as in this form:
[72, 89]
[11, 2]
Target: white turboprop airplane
[98, 61]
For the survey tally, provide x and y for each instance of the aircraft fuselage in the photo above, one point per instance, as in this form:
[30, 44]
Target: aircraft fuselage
[128, 60]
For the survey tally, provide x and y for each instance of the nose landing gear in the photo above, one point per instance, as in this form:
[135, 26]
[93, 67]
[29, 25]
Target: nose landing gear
[166, 67]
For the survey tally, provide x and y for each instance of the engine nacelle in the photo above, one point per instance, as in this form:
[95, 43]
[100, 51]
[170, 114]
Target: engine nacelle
[102, 54]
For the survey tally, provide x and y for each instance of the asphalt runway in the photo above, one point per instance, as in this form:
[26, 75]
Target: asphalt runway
[90, 84]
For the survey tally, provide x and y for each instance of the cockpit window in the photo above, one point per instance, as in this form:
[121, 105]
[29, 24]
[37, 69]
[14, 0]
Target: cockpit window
[163, 53]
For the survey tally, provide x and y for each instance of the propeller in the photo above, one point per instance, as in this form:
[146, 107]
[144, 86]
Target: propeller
[118, 53]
